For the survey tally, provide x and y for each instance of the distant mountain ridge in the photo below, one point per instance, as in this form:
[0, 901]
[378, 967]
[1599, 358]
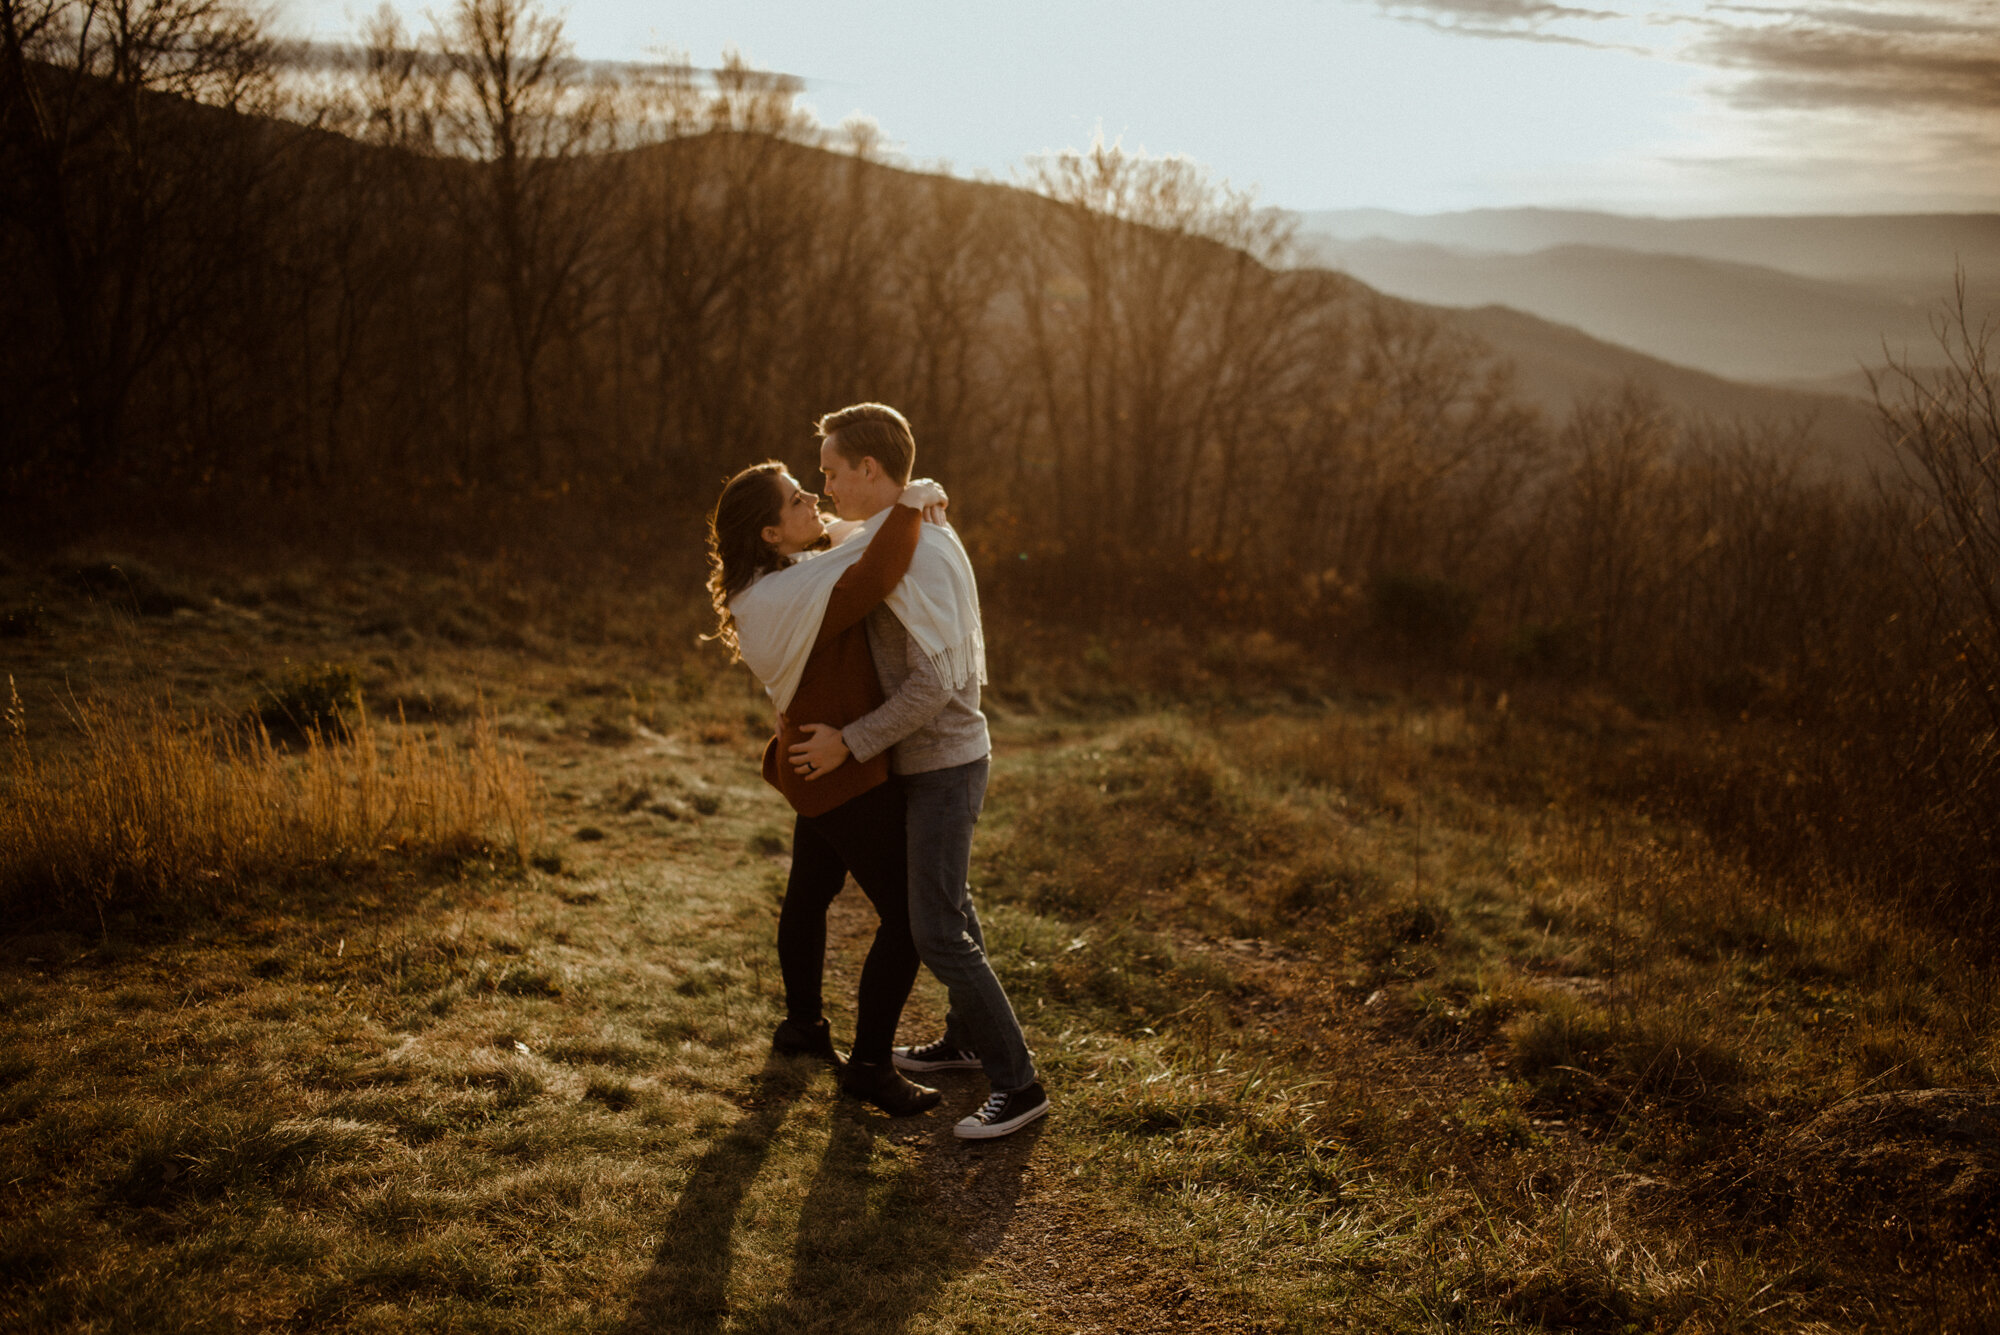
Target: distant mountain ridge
[1897, 249]
[1780, 300]
[1743, 321]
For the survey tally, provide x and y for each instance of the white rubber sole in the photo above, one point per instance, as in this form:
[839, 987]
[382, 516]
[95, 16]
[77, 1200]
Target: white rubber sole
[971, 1128]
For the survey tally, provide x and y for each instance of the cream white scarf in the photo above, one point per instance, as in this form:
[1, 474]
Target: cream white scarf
[778, 616]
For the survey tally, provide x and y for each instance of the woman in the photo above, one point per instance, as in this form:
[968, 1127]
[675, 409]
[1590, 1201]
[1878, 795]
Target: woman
[794, 612]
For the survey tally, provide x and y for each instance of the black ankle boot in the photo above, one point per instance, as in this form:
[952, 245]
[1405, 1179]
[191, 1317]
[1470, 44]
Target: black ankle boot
[793, 1039]
[883, 1085]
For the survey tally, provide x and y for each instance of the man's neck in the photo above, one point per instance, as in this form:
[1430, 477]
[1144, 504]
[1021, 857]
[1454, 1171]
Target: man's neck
[869, 507]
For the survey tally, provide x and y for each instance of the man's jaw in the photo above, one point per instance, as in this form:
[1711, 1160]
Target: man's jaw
[862, 510]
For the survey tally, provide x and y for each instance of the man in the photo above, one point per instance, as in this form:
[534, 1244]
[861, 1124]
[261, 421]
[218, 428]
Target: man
[938, 746]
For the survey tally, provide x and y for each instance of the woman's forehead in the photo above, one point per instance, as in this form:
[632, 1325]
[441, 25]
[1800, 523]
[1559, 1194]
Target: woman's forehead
[787, 483]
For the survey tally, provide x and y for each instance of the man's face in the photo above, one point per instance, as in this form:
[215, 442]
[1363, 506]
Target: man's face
[844, 481]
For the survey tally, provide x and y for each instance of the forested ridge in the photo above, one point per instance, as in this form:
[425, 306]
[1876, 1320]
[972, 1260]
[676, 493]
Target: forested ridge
[466, 274]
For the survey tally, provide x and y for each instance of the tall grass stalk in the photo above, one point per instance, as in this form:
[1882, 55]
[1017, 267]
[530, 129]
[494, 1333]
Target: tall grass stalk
[154, 808]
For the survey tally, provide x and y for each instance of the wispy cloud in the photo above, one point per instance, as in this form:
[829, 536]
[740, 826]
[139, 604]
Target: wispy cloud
[1510, 20]
[1493, 12]
[1902, 18]
[1880, 58]
[1920, 55]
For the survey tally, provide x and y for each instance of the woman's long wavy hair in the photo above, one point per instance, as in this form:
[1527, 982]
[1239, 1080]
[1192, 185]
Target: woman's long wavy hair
[737, 553]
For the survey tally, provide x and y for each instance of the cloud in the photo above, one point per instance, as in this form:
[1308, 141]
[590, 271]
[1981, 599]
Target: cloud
[1491, 12]
[1876, 59]
[1513, 34]
[1511, 20]
[1899, 19]
[1916, 55]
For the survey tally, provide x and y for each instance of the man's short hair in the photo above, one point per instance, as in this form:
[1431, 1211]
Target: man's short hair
[872, 430]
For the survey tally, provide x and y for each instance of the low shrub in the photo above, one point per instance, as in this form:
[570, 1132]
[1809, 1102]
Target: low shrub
[1560, 650]
[312, 696]
[1429, 614]
[127, 584]
[1588, 1058]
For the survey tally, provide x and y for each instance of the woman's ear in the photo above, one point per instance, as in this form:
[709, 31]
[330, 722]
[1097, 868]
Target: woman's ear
[772, 535]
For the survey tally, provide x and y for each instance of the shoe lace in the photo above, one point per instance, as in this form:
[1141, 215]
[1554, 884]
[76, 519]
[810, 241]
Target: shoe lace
[996, 1103]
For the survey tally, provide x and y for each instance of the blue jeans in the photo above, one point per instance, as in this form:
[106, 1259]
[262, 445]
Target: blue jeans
[943, 807]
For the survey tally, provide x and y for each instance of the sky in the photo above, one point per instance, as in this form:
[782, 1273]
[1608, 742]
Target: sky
[1669, 107]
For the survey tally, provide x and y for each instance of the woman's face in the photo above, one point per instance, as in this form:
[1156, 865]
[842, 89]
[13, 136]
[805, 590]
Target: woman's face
[799, 525]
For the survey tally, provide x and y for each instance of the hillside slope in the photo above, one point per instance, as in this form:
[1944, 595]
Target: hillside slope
[1557, 365]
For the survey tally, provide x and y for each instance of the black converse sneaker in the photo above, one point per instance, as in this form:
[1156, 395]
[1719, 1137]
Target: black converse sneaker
[939, 1056]
[1003, 1113]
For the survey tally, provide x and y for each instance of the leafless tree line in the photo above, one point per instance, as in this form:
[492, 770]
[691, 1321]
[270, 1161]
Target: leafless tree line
[468, 260]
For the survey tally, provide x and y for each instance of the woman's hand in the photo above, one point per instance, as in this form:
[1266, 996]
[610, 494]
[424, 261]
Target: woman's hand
[925, 495]
[823, 751]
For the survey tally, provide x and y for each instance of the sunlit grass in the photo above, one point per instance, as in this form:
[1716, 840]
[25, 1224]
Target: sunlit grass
[152, 807]
[1508, 1050]
[1361, 1012]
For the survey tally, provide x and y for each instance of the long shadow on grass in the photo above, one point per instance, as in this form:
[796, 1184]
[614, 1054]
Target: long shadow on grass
[874, 1246]
[687, 1290]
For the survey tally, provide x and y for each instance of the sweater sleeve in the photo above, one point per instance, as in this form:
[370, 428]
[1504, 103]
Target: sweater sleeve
[880, 569]
[920, 698]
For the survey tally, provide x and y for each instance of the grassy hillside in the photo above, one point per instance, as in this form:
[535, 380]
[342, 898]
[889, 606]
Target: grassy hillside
[1366, 1005]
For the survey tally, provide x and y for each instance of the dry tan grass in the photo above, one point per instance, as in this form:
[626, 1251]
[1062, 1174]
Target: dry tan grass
[1542, 1044]
[153, 806]
[1362, 1013]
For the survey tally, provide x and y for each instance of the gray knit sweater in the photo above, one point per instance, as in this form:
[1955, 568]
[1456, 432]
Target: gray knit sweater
[929, 725]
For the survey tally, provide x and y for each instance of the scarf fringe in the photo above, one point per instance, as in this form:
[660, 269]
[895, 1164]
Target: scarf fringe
[959, 665]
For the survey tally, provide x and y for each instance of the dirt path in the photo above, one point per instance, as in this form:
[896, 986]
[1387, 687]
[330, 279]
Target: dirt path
[1036, 1228]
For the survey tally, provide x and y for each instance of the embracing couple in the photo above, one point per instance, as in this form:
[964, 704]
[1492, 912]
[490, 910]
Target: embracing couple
[866, 635]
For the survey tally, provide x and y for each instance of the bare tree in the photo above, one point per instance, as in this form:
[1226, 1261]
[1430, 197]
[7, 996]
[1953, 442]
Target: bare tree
[523, 108]
[957, 248]
[104, 166]
[1945, 424]
[1155, 337]
[722, 236]
[1620, 531]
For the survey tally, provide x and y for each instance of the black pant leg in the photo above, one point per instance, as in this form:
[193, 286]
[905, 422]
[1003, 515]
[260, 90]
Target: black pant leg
[817, 875]
[867, 833]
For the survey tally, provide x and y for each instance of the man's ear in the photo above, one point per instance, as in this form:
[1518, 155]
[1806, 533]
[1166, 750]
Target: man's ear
[871, 468]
